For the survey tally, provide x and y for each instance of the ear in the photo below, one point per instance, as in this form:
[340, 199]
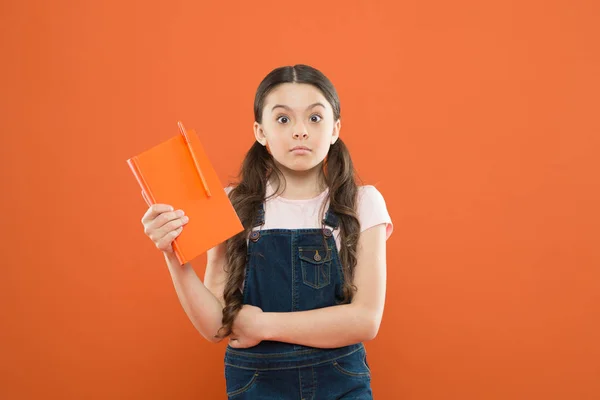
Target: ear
[336, 131]
[259, 134]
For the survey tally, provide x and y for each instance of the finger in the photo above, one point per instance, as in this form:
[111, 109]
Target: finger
[164, 218]
[166, 241]
[164, 223]
[154, 210]
[168, 228]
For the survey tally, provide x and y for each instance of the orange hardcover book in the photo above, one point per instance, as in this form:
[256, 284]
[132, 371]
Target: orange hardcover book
[178, 172]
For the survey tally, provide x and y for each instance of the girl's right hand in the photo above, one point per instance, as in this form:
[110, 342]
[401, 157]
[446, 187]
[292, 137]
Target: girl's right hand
[162, 225]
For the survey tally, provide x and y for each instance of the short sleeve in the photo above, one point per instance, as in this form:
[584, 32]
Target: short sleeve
[372, 210]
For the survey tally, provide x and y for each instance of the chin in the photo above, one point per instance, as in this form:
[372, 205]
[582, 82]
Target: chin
[299, 165]
[302, 167]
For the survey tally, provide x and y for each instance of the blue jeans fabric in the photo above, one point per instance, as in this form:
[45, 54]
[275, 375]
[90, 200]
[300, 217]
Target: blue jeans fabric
[317, 374]
[295, 270]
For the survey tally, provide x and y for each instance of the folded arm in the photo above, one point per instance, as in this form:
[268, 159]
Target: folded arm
[339, 325]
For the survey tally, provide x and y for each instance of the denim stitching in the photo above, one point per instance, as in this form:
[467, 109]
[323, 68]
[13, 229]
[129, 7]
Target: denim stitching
[314, 382]
[245, 388]
[343, 371]
[307, 262]
[294, 366]
[300, 380]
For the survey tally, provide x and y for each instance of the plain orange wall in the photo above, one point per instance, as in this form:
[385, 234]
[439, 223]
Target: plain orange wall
[478, 122]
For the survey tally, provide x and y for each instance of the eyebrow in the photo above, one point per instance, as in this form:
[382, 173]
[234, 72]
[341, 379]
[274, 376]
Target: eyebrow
[288, 108]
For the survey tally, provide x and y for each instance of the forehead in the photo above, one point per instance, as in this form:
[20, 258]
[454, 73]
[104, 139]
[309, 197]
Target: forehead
[295, 95]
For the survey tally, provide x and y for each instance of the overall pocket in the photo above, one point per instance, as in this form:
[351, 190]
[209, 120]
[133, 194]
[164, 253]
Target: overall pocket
[239, 380]
[354, 365]
[315, 262]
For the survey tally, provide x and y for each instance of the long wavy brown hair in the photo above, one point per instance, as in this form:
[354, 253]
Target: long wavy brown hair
[250, 191]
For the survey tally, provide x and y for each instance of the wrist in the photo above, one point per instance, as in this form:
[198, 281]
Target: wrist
[266, 325]
[173, 262]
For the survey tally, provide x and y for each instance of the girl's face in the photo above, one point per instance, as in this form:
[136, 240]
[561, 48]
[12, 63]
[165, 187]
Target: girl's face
[297, 126]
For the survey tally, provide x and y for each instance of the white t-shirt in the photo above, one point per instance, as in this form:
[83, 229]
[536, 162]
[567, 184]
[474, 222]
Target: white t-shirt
[282, 213]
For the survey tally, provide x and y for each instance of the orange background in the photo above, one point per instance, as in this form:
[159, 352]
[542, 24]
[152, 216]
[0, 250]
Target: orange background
[478, 122]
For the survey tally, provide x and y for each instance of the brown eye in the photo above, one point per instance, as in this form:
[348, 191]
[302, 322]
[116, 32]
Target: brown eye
[284, 117]
[316, 116]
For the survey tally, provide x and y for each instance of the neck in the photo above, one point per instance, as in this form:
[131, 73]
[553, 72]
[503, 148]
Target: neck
[302, 185]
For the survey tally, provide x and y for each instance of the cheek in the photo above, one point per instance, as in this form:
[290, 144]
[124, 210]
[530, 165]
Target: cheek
[325, 139]
[276, 144]
[277, 131]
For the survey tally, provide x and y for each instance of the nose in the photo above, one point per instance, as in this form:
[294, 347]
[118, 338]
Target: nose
[300, 132]
[298, 135]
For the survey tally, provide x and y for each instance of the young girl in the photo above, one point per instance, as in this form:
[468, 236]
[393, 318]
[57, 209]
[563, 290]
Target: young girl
[304, 285]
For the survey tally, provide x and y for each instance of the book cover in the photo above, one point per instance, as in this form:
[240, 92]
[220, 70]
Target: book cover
[178, 172]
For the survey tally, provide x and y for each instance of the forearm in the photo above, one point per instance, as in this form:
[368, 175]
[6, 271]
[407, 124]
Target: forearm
[201, 306]
[327, 327]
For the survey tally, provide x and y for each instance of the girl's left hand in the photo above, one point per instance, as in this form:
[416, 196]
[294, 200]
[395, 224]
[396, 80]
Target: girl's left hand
[247, 330]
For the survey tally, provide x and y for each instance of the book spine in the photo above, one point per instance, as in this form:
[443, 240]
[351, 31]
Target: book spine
[182, 260]
[149, 198]
[137, 172]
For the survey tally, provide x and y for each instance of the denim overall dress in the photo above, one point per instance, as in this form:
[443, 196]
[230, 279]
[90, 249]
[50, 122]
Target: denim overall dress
[295, 270]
